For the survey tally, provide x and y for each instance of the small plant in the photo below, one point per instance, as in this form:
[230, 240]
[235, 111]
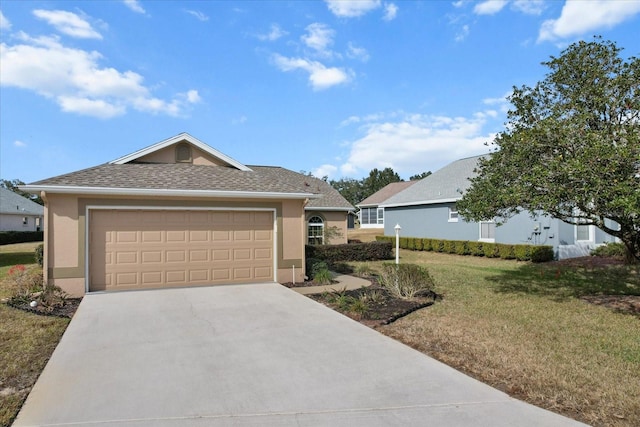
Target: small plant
[405, 280]
[39, 254]
[359, 307]
[364, 270]
[322, 277]
[374, 296]
[615, 249]
[22, 281]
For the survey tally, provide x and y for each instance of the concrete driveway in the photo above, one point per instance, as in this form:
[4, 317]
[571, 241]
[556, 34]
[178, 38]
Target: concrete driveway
[250, 355]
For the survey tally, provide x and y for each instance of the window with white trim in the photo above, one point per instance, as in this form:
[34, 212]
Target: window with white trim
[487, 231]
[315, 231]
[453, 213]
[584, 233]
[381, 216]
[370, 215]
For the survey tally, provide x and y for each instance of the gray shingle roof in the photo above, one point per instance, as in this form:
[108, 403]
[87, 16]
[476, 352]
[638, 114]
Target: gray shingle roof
[386, 192]
[445, 184]
[177, 176]
[13, 203]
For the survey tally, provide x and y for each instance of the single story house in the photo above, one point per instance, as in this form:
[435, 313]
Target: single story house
[17, 213]
[371, 214]
[180, 213]
[428, 209]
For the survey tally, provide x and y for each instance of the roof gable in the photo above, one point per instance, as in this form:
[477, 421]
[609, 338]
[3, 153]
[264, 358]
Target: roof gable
[445, 185]
[155, 153]
[13, 203]
[385, 193]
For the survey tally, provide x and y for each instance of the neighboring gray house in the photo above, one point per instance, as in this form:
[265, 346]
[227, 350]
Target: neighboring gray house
[18, 213]
[428, 209]
[371, 215]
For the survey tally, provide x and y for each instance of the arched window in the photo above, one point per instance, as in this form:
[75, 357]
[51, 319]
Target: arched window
[315, 231]
[183, 153]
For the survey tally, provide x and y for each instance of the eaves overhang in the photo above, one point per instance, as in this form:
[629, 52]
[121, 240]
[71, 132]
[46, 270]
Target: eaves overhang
[159, 192]
[329, 209]
[420, 202]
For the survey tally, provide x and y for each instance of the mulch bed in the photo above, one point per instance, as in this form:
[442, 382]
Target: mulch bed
[67, 310]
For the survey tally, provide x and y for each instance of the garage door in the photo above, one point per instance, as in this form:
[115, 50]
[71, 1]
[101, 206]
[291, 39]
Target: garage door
[134, 249]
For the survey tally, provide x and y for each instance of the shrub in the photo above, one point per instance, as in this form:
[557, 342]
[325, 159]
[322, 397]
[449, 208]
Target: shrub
[9, 237]
[426, 245]
[437, 245]
[490, 250]
[39, 255]
[370, 251]
[364, 270]
[462, 248]
[318, 266]
[411, 243]
[506, 251]
[322, 276]
[522, 252]
[22, 281]
[449, 246]
[616, 250]
[405, 280]
[475, 248]
[542, 253]
[417, 242]
[404, 242]
[341, 267]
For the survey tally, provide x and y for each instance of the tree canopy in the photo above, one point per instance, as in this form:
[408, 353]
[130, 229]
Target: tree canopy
[571, 147]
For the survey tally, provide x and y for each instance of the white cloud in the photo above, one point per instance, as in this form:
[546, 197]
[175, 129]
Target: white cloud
[489, 7]
[274, 34]
[319, 37]
[324, 170]
[352, 8]
[355, 52]
[78, 83]
[135, 6]
[415, 143]
[390, 12]
[68, 23]
[580, 17]
[462, 34]
[320, 76]
[5, 24]
[529, 7]
[19, 144]
[198, 15]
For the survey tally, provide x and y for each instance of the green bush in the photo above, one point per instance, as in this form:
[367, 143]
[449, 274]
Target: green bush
[405, 280]
[462, 248]
[542, 253]
[404, 242]
[417, 242]
[490, 250]
[617, 250]
[522, 252]
[322, 276]
[449, 246]
[370, 251]
[39, 255]
[475, 248]
[438, 245]
[506, 251]
[9, 237]
[427, 245]
[411, 243]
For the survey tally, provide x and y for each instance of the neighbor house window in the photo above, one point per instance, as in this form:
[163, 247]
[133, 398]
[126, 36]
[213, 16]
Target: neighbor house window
[315, 231]
[453, 213]
[370, 215]
[380, 216]
[584, 233]
[487, 231]
[183, 153]
[25, 220]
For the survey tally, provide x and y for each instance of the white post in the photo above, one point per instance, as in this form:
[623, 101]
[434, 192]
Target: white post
[294, 273]
[397, 228]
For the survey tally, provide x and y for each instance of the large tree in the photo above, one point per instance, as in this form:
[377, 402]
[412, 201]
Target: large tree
[379, 179]
[571, 147]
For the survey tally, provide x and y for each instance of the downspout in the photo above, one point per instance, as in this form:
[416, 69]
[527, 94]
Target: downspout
[45, 235]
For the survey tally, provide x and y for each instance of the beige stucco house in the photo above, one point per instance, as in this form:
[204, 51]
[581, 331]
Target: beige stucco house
[180, 213]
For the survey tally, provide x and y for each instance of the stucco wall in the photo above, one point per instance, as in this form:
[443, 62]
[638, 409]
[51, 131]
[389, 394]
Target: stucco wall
[168, 155]
[331, 219]
[65, 237]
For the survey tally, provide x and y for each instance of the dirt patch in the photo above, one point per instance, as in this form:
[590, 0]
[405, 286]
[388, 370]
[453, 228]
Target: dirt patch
[627, 304]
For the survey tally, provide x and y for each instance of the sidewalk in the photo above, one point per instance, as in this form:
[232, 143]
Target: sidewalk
[344, 282]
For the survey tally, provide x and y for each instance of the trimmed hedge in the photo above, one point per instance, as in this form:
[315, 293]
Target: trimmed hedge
[486, 249]
[9, 237]
[370, 251]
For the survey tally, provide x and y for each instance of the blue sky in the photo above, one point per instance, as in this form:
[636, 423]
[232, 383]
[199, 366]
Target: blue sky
[335, 88]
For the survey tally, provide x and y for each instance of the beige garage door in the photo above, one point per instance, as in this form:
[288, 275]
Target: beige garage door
[134, 249]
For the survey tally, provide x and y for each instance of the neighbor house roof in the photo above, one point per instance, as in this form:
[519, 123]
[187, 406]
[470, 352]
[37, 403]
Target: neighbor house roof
[125, 176]
[13, 203]
[445, 185]
[385, 193]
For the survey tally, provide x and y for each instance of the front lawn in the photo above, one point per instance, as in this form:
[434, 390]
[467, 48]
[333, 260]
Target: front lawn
[528, 330]
[26, 340]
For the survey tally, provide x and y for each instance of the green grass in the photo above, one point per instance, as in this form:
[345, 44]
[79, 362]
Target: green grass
[26, 340]
[522, 328]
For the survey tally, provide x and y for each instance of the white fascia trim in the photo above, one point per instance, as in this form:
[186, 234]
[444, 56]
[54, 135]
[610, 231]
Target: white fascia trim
[181, 137]
[330, 209]
[61, 189]
[424, 202]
